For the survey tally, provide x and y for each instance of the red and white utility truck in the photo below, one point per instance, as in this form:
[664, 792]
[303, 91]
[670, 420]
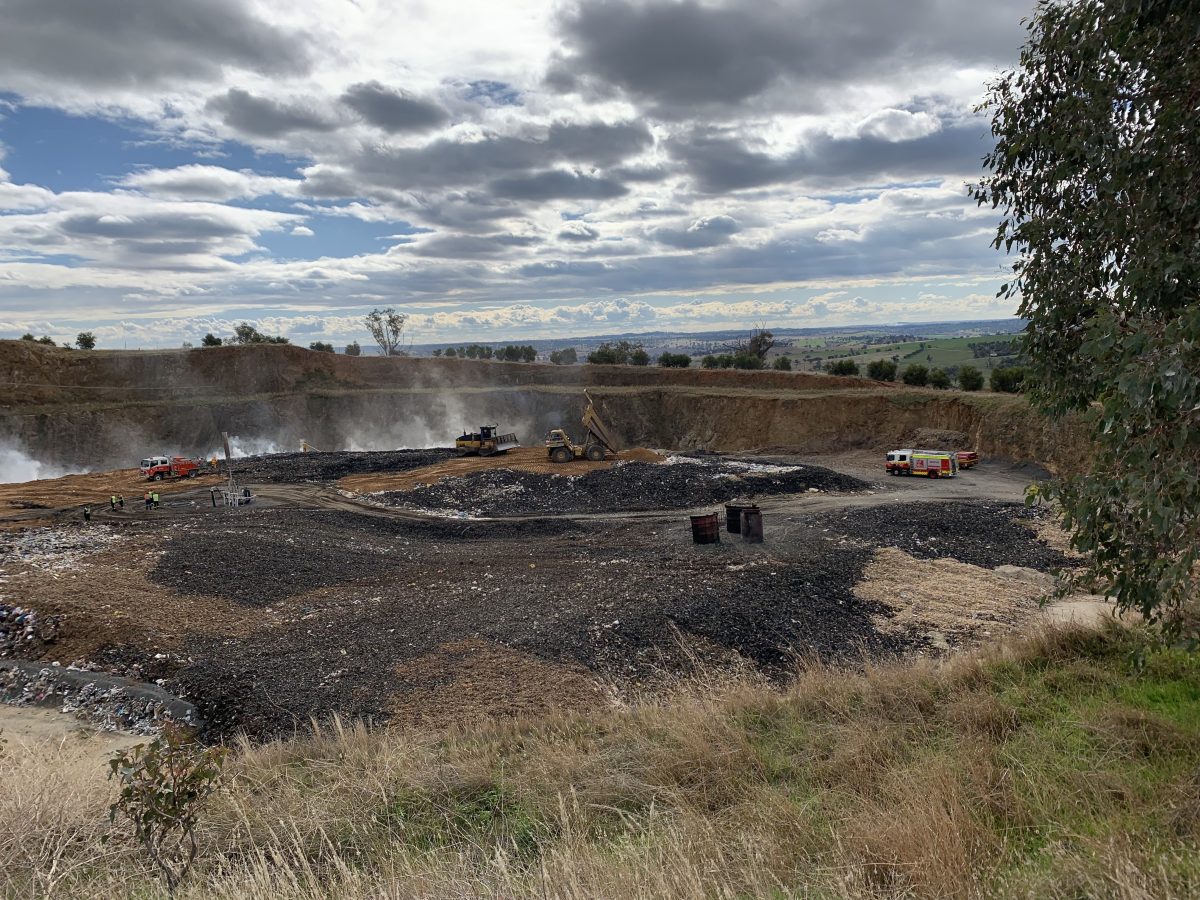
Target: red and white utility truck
[156, 468]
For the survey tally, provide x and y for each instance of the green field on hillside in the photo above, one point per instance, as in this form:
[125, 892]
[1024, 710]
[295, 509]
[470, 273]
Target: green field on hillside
[933, 352]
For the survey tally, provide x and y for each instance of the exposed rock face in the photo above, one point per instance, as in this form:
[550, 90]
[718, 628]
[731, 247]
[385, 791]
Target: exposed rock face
[106, 409]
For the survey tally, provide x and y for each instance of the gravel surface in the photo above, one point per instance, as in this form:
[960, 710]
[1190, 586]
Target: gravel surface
[633, 486]
[292, 467]
[987, 534]
[271, 554]
[614, 599]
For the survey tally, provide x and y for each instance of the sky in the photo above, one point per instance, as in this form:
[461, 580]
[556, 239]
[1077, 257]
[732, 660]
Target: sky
[496, 170]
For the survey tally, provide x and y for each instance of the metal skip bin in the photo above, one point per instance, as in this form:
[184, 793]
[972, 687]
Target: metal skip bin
[706, 529]
[733, 517]
[752, 526]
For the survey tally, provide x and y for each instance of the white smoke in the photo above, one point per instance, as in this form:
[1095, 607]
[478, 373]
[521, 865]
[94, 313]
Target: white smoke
[17, 466]
[254, 446]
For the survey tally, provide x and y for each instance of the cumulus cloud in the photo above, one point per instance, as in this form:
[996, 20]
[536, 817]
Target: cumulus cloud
[392, 110]
[681, 56]
[707, 231]
[494, 154]
[720, 162]
[140, 43]
[578, 231]
[139, 232]
[557, 185]
[205, 182]
[266, 117]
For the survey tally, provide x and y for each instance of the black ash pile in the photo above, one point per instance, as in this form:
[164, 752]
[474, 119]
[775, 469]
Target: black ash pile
[620, 599]
[987, 534]
[330, 466]
[628, 487]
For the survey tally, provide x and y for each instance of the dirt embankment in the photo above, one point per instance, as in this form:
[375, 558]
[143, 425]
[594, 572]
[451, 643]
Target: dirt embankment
[32, 375]
[104, 409]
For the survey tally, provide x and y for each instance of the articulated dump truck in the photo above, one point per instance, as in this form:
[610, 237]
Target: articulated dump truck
[597, 440]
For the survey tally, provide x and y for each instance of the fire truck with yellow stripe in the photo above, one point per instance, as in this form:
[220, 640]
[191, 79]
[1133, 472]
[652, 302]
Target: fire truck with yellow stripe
[929, 463]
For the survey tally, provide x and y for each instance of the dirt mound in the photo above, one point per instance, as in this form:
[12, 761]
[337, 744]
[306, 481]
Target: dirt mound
[283, 468]
[684, 484]
[982, 534]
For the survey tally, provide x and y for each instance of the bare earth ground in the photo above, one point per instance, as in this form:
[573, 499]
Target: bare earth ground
[32, 726]
[311, 603]
[38, 502]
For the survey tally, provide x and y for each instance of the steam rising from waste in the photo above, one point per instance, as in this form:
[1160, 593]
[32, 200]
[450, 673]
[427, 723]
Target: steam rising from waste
[17, 466]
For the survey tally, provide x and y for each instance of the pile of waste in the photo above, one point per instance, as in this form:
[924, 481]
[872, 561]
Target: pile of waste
[54, 550]
[23, 631]
[106, 702]
[684, 483]
[329, 466]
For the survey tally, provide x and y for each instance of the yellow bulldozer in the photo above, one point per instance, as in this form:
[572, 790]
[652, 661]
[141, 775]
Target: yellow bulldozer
[597, 440]
[485, 442]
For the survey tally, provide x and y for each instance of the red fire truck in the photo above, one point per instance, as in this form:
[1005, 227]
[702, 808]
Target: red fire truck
[929, 463]
[156, 468]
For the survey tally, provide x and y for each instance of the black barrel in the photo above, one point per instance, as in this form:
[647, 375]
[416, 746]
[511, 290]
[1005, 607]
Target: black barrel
[706, 529]
[733, 517]
[752, 525]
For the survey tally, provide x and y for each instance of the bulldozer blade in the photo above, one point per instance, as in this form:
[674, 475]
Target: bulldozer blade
[506, 442]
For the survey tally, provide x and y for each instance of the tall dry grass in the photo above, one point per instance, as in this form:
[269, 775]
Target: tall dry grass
[1033, 770]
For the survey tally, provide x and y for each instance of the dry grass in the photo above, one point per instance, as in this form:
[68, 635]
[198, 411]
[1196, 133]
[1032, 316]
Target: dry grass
[1049, 768]
[961, 602]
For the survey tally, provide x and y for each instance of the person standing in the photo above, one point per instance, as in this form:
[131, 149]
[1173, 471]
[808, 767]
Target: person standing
[155, 498]
[112, 502]
[121, 501]
[147, 499]
[87, 513]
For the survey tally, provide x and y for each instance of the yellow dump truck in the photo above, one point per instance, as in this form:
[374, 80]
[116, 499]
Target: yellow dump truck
[597, 440]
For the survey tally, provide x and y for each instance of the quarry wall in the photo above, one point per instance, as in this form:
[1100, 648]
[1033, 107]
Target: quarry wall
[107, 409]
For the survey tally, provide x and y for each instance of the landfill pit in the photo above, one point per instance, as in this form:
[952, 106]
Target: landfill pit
[267, 617]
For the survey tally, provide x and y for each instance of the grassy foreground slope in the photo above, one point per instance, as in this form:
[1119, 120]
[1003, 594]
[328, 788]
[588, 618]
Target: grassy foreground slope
[1053, 768]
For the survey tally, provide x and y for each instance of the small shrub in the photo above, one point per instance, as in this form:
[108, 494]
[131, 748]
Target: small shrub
[842, 367]
[352, 349]
[915, 374]
[709, 362]
[164, 785]
[1010, 380]
[970, 378]
[939, 379]
[211, 340]
[85, 340]
[674, 360]
[321, 347]
[782, 364]
[881, 370]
